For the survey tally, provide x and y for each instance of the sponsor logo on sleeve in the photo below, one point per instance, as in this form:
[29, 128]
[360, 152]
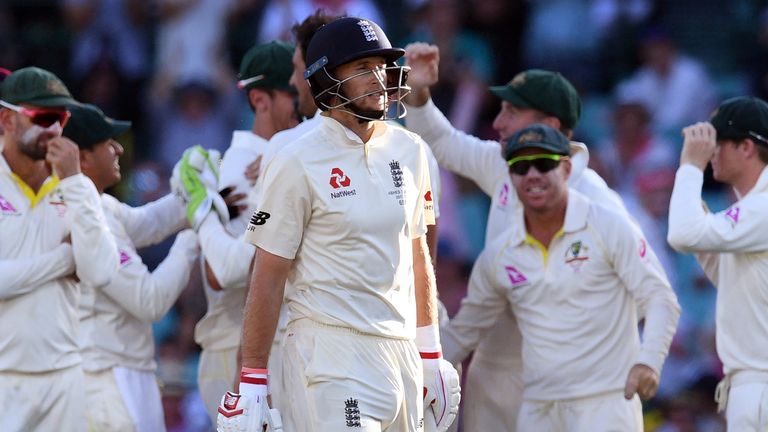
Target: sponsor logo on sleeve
[504, 195]
[258, 218]
[428, 203]
[643, 250]
[125, 259]
[733, 215]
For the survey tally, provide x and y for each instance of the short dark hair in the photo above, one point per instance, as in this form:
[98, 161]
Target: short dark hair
[304, 31]
[762, 151]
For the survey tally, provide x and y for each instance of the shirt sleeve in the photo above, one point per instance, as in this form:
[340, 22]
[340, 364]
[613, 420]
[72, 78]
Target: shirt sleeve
[466, 155]
[153, 222]
[479, 311]
[434, 179]
[93, 246]
[648, 285]
[424, 210]
[284, 208]
[22, 275]
[149, 295]
[740, 228]
[228, 257]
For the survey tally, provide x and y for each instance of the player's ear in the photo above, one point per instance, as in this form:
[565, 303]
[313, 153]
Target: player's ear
[552, 121]
[567, 167]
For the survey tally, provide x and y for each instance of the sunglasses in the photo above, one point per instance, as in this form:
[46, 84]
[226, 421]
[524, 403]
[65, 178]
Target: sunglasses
[542, 162]
[44, 117]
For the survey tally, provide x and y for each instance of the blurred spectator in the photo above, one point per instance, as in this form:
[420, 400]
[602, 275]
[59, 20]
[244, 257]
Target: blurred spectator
[280, 15]
[193, 114]
[632, 147]
[501, 23]
[190, 41]
[674, 88]
[760, 74]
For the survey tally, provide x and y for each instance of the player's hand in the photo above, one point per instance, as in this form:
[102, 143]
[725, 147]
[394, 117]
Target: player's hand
[641, 380]
[236, 202]
[248, 411]
[63, 156]
[699, 141]
[253, 170]
[423, 59]
[189, 182]
[442, 392]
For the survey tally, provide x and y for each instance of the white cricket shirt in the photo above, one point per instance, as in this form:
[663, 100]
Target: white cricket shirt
[346, 212]
[732, 248]
[116, 319]
[575, 302]
[38, 298]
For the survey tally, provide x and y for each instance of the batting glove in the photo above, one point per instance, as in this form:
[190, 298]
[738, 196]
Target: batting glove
[248, 411]
[442, 391]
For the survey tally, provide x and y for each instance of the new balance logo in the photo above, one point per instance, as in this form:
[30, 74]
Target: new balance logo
[352, 413]
[339, 179]
[259, 218]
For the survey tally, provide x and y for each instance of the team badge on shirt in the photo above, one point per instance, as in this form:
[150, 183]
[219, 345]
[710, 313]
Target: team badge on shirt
[352, 413]
[6, 207]
[576, 255]
[397, 181]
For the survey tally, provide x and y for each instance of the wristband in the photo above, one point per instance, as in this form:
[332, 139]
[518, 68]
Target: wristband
[428, 342]
[253, 382]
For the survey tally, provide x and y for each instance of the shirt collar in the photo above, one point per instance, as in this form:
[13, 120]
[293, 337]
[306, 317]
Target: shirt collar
[351, 138]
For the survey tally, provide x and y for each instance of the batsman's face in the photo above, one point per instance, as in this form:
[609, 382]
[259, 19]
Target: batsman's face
[365, 76]
[511, 119]
[101, 163]
[542, 192]
[307, 107]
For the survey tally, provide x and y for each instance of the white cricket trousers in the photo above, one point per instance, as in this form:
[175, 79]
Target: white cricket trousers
[608, 412]
[124, 400]
[337, 379]
[747, 404]
[216, 374]
[492, 395]
[49, 401]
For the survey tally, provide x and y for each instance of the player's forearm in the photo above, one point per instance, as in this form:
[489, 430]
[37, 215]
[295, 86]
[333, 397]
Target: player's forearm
[418, 97]
[149, 295]
[425, 286]
[155, 221]
[93, 246]
[463, 154]
[228, 257]
[262, 308]
[22, 275]
[662, 315]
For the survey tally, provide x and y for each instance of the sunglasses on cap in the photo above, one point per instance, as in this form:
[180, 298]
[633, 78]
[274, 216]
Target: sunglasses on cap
[44, 117]
[542, 162]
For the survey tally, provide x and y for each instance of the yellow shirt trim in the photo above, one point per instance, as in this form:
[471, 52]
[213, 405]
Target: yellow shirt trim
[538, 245]
[34, 198]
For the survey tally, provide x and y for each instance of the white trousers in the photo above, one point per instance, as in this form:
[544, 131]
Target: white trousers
[50, 401]
[215, 376]
[608, 412]
[747, 409]
[336, 379]
[492, 396]
[124, 400]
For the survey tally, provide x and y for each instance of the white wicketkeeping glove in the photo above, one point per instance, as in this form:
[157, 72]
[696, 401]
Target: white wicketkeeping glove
[248, 411]
[442, 391]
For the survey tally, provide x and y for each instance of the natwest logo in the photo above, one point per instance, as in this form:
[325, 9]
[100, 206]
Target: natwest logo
[339, 179]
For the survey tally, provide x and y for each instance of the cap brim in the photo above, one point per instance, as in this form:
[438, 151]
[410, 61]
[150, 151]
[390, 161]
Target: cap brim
[544, 146]
[119, 127]
[52, 102]
[506, 93]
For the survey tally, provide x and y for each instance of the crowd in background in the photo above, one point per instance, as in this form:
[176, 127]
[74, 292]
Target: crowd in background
[644, 69]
